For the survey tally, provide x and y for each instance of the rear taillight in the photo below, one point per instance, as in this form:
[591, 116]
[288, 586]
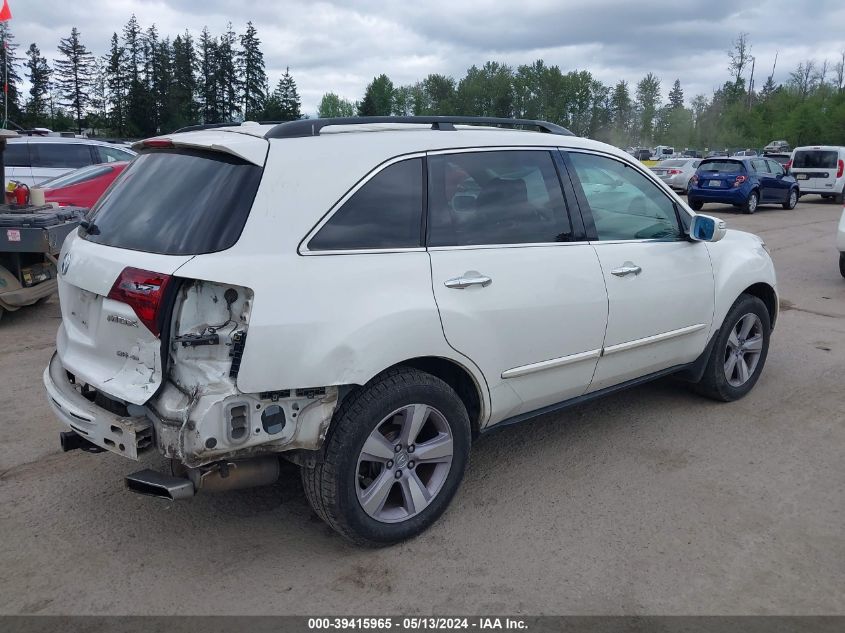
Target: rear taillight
[739, 180]
[841, 168]
[143, 291]
[675, 172]
[695, 179]
[788, 165]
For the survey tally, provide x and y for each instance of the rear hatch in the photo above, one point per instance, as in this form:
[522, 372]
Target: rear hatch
[117, 278]
[668, 168]
[720, 173]
[816, 169]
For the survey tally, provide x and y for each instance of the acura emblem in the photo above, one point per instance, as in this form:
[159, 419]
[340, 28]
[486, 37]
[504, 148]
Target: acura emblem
[65, 264]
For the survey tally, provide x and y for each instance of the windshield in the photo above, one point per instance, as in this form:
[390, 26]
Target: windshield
[177, 202]
[818, 159]
[727, 166]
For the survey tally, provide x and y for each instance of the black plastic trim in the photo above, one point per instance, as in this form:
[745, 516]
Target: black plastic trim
[311, 127]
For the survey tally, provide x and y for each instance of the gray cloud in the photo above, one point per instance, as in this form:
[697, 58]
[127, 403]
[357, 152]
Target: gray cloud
[340, 45]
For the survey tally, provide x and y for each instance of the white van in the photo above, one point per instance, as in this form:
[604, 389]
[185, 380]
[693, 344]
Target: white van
[820, 169]
[34, 159]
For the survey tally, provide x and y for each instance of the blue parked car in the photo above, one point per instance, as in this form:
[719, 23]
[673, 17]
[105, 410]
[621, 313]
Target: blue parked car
[744, 182]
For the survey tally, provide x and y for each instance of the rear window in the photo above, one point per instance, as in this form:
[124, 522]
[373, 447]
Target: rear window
[177, 202]
[727, 166]
[815, 159]
[75, 177]
[673, 163]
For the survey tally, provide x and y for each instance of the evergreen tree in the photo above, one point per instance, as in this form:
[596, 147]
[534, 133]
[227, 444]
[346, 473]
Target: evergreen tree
[331, 105]
[137, 93]
[378, 98]
[208, 74]
[183, 108]
[116, 86]
[74, 75]
[288, 98]
[39, 86]
[251, 61]
[227, 78]
[621, 111]
[9, 64]
[676, 95]
[98, 117]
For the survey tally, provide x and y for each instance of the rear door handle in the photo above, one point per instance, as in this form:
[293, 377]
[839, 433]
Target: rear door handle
[626, 269]
[469, 278]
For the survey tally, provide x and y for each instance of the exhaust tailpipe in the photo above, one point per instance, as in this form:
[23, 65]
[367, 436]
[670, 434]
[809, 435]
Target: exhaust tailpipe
[219, 477]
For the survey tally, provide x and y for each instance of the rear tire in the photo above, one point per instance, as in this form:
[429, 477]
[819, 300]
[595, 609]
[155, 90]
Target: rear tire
[839, 198]
[751, 204]
[791, 201]
[695, 205]
[345, 488]
[739, 354]
[841, 268]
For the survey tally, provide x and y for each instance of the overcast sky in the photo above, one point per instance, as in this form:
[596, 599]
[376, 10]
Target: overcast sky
[340, 46]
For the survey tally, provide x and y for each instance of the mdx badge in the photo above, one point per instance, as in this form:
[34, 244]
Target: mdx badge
[114, 318]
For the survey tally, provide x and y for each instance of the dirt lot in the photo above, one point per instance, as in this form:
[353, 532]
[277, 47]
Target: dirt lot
[653, 501]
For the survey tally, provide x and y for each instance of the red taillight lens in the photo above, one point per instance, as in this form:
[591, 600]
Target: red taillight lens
[158, 143]
[788, 165]
[841, 168]
[675, 172]
[143, 291]
[739, 180]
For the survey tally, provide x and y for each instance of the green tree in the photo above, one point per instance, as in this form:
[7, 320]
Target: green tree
[208, 75]
[676, 95]
[289, 103]
[74, 75]
[227, 78]
[251, 67]
[378, 98]
[38, 74]
[9, 71]
[137, 92]
[331, 105]
[116, 86]
[183, 87]
[648, 98]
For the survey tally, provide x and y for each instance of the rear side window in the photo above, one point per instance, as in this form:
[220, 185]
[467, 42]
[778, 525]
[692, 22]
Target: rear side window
[386, 212]
[499, 197]
[76, 177]
[16, 155]
[726, 166]
[815, 159]
[112, 154]
[60, 155]
[180, 202]
[760, 166]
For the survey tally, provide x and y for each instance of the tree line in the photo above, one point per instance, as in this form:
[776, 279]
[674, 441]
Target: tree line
[147, 84]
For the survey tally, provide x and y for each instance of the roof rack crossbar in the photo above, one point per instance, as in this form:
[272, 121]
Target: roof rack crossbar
[312, 127]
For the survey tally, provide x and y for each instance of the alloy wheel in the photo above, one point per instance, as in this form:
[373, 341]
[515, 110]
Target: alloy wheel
[404, 463]
[743, 351]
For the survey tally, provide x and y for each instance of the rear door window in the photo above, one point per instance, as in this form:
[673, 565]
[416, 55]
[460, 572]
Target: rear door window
[60, 155]
[815, 159]
[16, 155]
[112, 154]
[760, 166]
[177, 202]
[497, 197]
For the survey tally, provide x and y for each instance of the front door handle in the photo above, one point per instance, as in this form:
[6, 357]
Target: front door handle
[626, 269]
[469, 278]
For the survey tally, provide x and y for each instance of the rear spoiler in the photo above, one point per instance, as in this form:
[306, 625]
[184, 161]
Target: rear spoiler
[252, 149]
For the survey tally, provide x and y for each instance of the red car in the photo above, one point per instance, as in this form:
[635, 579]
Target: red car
[82, 187]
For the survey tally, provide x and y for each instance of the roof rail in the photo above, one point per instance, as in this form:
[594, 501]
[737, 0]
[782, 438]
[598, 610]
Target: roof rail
[312, 127]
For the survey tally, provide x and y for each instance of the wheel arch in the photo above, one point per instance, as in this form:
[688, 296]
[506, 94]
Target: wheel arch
[768, 296]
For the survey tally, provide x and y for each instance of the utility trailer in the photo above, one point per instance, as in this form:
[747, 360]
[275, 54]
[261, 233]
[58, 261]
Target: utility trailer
[30, 240]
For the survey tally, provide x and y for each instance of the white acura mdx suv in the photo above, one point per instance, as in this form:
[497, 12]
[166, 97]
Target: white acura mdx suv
[365, 296]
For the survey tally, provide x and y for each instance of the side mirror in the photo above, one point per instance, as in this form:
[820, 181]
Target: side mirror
[705, 228]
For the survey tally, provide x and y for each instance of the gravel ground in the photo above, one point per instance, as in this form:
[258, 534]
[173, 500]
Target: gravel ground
[652, 501]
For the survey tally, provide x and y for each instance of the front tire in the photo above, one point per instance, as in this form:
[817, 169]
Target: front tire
[751, 204]
[394, 459]
[739, 353]
[791, 201]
